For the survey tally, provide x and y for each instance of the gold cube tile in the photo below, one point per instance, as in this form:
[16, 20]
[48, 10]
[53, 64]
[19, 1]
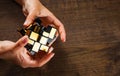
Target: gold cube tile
[44, 48]
[30, 41]
[34, 36]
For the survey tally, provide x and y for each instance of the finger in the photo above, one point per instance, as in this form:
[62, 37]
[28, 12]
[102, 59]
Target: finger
[30, 18]
[45, 59]
[61, 29]
[53, 20]
[22, 41]
[38, 62]
[50, 50]
[25, 12]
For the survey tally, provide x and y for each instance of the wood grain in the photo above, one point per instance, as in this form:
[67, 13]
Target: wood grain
[93, 38]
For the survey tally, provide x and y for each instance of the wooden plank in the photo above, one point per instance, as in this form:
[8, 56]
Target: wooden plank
[93, 38]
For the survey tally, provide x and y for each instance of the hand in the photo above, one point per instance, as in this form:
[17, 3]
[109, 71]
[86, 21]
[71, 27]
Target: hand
[15, 52]
[33, 9]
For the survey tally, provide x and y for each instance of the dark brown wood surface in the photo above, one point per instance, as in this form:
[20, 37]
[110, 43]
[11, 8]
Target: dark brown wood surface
[93, 38]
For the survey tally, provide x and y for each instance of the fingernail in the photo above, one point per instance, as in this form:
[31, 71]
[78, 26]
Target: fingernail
[50, 50]
[52, 54]
[63, 40]
[24, 41]
[25, 23]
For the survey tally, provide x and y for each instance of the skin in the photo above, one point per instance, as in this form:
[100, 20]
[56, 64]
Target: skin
[33, 9]
[15, 51]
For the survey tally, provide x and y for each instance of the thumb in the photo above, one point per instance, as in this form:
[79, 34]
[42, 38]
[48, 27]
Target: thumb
[22, 41]
[29, 20]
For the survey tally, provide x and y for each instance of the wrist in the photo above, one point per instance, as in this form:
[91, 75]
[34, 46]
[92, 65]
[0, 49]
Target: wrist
[6, 46]
[6, 50]
[1, 46]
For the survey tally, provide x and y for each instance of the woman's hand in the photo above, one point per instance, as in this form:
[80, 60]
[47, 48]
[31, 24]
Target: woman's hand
[33, 9]
[16, 53]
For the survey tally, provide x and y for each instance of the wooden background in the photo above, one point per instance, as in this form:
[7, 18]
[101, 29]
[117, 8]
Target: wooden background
[93, 38]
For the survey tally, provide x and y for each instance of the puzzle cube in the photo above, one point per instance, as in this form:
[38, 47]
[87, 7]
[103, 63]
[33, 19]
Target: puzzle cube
[40, 37]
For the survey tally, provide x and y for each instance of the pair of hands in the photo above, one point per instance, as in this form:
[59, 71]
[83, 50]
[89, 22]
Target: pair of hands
[15, 51]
